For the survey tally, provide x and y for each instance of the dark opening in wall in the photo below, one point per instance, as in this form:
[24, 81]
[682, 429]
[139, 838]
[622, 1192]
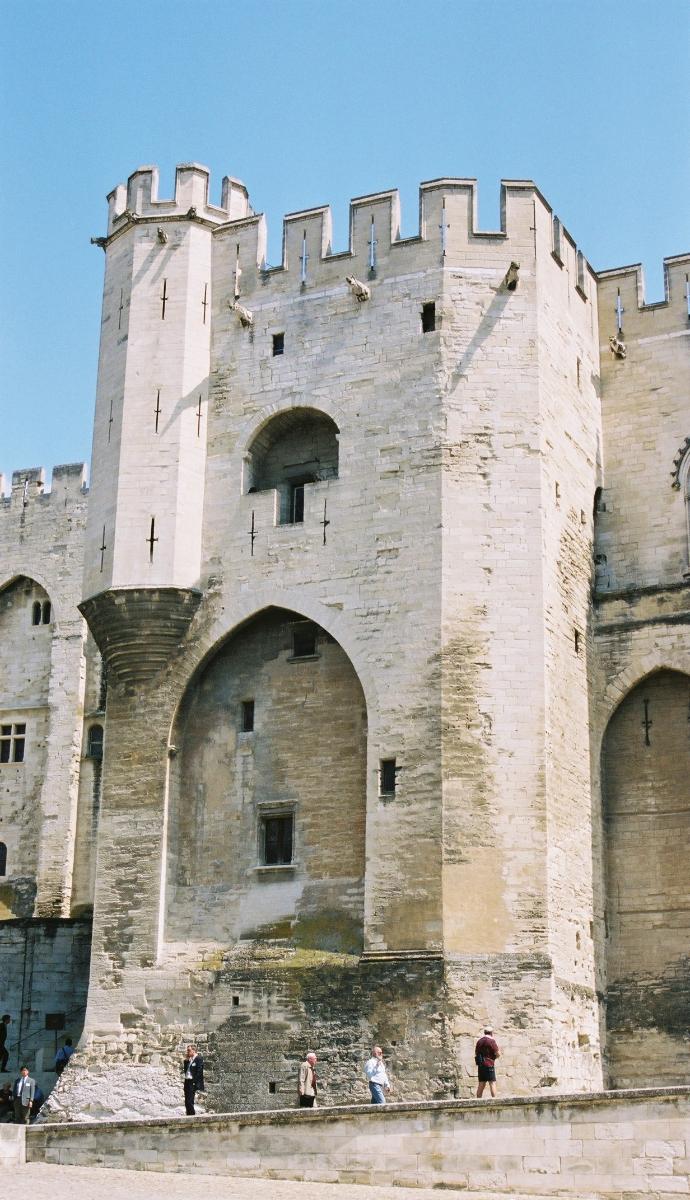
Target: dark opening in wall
[276, 839]
[3, 858]
[36, 613]
[278, 344]
[304, 640]
[94, 742]
[12, 743]
[576, 636]
[295, 510]
[45, 613]
[272, 1087]
[235, 1002]
[247, 716]
[387, 777]
[429, 317]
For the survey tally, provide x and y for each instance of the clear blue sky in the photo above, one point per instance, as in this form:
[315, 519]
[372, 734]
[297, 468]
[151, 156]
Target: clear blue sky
[311, 102]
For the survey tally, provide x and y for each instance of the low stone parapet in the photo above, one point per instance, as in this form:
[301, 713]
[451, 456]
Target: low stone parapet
[608, 1143]
[12, 1146]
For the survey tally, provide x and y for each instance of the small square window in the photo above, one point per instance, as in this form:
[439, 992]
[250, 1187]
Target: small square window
[247, 716]
[278, 344]
[12, 743]
[276, 839]
[387, 777]
[429, 317]
[304, 640]
[272, 1087]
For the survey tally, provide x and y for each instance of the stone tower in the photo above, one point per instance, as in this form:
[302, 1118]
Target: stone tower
[377, 748]
[143, 546]
[338, 565]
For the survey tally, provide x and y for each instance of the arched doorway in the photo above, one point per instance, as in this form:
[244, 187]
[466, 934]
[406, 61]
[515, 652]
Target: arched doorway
[268, 791]
[646, 794]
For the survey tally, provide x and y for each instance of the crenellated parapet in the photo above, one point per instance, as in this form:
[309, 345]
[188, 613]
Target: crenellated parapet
[28, 486]
[448, 234]
[623, 310]
[138, 199]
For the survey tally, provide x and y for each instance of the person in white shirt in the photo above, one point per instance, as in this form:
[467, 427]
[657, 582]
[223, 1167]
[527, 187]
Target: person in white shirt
[377, 1076]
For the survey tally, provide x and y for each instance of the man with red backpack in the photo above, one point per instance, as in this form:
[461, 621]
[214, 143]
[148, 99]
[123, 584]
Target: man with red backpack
[485, 1054]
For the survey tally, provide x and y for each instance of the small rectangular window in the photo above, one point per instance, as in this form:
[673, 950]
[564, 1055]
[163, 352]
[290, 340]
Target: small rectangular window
[276, 839]
[429, 317]
[12, 743]
[272, 1087]
[247, 716]
[387, 777]
[297, 504]
[304, 640]
[55, 1021]
[278, 344]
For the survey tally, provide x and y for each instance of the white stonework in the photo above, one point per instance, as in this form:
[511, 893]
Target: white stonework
[414, 824]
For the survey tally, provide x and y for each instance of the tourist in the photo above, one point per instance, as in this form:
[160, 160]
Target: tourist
[486, 1052]
[307, 1087]
[6, 1104]
[193, 1072]
[377, 1076]
[63, 1056]
[23, 1093]
[4, 1053]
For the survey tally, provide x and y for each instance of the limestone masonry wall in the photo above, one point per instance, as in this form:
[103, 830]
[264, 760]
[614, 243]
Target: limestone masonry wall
[376, 543]
[630, 1143]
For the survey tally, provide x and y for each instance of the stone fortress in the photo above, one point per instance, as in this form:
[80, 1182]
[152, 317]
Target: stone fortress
[351, 702]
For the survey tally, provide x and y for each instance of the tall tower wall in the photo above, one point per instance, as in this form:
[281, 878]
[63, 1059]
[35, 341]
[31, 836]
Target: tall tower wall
[641, 676]
[150, 427]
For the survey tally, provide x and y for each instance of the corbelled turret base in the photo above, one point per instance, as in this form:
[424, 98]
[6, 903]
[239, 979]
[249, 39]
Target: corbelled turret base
[138, 630]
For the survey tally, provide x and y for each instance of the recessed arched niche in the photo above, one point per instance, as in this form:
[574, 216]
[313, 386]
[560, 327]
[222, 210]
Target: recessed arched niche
[267, 791]
[294, 450]
[646, 795]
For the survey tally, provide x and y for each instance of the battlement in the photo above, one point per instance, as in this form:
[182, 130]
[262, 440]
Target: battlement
[28, 485]
[622, 291]
[447, 232]
[447, 235]
[139, 198]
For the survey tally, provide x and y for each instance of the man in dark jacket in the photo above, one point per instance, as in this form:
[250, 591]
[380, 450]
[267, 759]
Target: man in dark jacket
[193, 1073]
[486, 1052]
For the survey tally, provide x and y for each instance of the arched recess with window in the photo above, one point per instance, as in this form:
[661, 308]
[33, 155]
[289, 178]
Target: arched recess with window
[646, 810]
[295, 449]
[267, 791]
[26, 644]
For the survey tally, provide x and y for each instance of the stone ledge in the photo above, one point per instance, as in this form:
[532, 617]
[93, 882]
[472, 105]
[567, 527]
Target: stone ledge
[283, 1116]
[12, 1147]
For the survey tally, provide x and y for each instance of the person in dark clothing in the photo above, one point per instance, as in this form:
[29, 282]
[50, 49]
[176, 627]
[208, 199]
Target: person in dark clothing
[193, 1073]
[486, 1052]
[63, 1056]
[4, 1053]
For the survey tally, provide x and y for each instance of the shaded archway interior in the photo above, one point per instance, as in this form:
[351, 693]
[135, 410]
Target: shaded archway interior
[268, 791]
[646, 791]
[294, 449]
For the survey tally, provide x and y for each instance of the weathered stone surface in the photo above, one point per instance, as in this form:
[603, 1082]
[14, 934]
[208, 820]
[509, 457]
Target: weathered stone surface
[419, 492]
[606, 1145]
